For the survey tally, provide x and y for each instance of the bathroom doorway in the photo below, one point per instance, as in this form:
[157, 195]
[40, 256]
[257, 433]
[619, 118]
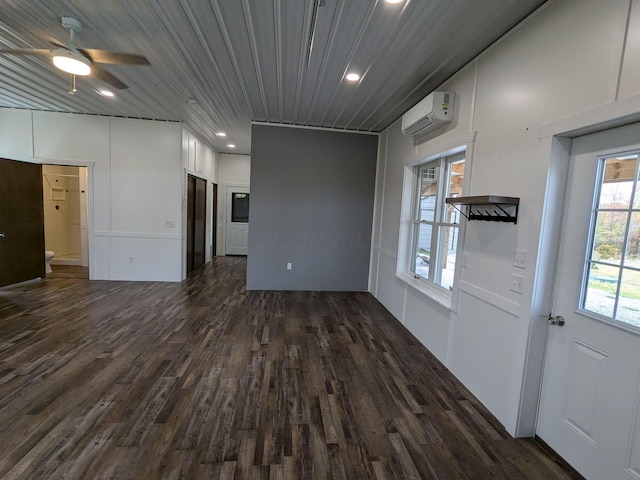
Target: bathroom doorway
[66, 233]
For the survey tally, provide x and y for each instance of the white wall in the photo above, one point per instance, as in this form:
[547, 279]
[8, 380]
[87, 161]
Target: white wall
[569, 57]
[234, 171]
[135, 185]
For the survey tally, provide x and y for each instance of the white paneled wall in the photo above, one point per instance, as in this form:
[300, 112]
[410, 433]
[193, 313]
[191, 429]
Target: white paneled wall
[144, 192]
[16, 135]
[570, 57]
[145, 200]
[71, 137]
[136, 184]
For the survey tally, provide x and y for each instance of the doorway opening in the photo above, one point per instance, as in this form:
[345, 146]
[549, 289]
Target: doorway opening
[65, 202]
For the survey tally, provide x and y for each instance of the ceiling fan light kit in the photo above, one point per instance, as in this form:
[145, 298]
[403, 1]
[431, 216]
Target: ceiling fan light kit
[82, 61]
[71, 62]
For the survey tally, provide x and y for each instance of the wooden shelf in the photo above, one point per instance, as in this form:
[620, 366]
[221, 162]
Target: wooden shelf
[484, 200]
[498, 208]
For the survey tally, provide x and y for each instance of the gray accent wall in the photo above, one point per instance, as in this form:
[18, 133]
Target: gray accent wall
[311, 205]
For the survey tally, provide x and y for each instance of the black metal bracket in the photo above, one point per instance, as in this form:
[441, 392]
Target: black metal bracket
[499, 210]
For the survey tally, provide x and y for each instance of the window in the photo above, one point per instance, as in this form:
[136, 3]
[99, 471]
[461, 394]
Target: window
[612, 275]
[435, 223]
[240, 207]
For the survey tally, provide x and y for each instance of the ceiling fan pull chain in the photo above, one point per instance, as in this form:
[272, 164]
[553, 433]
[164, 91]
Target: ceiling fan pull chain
[72, 81]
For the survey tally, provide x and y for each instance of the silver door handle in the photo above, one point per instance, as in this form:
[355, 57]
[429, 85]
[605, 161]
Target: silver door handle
[1, 235]
[557, 320]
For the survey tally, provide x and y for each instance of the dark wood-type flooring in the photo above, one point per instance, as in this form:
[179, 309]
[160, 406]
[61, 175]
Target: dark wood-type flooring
[202, 380]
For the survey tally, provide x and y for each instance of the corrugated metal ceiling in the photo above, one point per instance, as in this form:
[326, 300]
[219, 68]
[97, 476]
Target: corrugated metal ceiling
[244, 60]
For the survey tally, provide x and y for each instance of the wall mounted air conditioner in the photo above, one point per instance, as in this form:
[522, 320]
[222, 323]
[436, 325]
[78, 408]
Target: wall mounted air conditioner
[432, 112]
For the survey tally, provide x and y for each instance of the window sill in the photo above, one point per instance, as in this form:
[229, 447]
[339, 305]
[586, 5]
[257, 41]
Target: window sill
[440, 298]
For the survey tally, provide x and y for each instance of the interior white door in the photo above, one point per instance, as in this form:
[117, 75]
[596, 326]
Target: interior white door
[590, 400]
[237, 241]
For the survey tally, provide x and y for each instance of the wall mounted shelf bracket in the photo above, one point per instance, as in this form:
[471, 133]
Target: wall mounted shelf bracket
[491, 208]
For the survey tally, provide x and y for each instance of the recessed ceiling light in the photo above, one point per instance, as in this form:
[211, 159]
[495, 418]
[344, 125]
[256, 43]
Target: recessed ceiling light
[352, 77]
[394, 1]
[106, 93]
[231, 145]
[221, 134]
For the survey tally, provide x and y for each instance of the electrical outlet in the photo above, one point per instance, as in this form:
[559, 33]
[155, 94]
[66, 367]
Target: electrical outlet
[289, 265]
[517, 282]
[520, 259]
[169, 224]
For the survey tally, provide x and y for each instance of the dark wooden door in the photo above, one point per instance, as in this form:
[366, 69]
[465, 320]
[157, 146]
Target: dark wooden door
[214, 219]
[21, 222]
[200, 220]
[196, 222]
[191, 202]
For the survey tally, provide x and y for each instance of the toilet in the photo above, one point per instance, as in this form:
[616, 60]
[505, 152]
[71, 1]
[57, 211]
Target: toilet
[48, 255]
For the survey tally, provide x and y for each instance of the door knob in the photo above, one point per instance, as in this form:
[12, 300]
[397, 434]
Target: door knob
[557, 320]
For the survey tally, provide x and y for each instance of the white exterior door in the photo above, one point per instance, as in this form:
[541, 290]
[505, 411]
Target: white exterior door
[590, 401]
[237, 241]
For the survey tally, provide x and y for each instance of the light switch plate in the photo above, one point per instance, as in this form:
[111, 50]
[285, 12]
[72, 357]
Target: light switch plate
[517, 282]
[520, 259]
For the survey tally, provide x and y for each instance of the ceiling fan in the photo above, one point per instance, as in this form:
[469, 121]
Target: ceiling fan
[83, 61]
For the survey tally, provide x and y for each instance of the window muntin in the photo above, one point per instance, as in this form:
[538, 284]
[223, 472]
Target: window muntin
[611, 286]
[435, 223]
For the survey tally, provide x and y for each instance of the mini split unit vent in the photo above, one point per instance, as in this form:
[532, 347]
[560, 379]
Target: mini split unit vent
[431, 113]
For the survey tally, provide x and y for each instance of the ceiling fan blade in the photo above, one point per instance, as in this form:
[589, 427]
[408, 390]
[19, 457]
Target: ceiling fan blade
[107, 77]
[114, 58]
[58, 44]
[26, 51]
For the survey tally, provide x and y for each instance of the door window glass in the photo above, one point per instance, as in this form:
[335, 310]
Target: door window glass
[612, 283]
[240, 207]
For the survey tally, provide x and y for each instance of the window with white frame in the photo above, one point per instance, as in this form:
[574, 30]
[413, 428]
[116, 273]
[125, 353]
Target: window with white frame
[612, 275]
[435, 224]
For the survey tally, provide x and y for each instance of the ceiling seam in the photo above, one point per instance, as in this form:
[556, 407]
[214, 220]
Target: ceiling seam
[246, 10]
[218, 70]
[232, 56]
[374, 60]
[355, 45]
[174, 83]
[386, 98]
[222, 105]
[327, 53]
[301, 60]
[277, 12]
